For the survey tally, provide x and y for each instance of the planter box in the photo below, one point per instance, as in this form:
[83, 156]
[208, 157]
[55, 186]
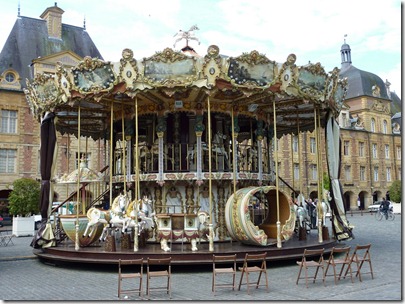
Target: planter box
[23, 226]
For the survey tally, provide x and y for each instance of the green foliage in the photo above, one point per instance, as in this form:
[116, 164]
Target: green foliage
[395, 191]
[24, 199]
[326, 181]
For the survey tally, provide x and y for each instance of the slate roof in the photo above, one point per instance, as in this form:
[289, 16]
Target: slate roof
[396, 105]
[360, 83]
[29, 40]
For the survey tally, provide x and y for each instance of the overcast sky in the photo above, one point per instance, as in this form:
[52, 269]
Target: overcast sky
[314, 30]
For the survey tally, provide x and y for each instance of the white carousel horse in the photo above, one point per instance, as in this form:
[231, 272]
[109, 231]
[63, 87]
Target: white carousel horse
[113, 216]
[302, 211]
[188, 35]
[325, 209]
[145, 214]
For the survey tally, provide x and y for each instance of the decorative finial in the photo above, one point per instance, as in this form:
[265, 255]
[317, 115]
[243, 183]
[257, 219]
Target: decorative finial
[18, 12]
[345, 38]
[84, 23]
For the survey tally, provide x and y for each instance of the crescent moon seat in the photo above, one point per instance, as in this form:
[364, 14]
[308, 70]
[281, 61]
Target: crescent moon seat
[241, 225]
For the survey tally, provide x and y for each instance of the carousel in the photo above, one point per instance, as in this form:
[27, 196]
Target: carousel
[189, 143]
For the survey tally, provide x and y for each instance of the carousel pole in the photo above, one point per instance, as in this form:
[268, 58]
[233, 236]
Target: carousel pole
[276, 161]
[136, 243]
[111, 150]
[123, 149]
[299, 155]
[210, 226]
[234, 155]
[319, 203]
[78, 184]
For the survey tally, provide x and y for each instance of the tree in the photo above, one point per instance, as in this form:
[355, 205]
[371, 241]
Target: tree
[395, 191]
[24, 199]
[326, 181]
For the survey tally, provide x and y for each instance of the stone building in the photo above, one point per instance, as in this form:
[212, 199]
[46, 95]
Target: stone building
[34, 46]
[370, 124]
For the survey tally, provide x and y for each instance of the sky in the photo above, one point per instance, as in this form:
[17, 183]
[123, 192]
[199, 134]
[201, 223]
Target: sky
[314, 30]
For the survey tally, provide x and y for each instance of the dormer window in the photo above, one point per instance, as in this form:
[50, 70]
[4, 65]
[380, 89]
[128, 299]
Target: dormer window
[10, 77]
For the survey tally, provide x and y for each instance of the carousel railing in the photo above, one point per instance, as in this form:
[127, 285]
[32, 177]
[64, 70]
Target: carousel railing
[182, 157]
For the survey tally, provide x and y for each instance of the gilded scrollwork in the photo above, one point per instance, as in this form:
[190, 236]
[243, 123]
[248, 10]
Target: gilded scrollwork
[128, 71]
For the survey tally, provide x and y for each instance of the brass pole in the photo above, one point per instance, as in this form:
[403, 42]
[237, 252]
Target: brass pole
[211, 231]
[77, 246]
[136, 245]
[276, 165]
[319, 204]
[123, 160]
[299, 155]
[233, 155]
[111, 149]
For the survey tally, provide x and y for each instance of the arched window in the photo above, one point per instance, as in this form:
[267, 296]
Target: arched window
[385, 127]
[372, 125]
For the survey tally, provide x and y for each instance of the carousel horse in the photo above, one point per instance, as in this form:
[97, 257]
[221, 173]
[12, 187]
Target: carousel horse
[144, 214]
[325, 209]
[326, 198]
[113, 217]
[302, 212]
[203, 221]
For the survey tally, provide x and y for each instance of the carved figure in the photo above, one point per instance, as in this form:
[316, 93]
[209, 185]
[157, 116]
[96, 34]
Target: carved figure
[188, 35]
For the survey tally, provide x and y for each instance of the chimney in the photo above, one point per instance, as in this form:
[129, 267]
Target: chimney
[53, 17]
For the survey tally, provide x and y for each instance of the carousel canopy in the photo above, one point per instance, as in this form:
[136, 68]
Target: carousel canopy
[170, 81]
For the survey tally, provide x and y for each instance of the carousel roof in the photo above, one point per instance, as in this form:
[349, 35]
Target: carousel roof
[170, 81]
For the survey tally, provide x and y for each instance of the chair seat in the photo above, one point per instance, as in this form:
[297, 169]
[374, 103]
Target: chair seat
[224, 270]
[162, 273]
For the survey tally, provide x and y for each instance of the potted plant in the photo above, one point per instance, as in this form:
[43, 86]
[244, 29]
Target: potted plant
[23, 204]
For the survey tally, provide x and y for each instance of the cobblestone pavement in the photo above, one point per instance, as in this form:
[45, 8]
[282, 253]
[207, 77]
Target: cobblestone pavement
[24, 277]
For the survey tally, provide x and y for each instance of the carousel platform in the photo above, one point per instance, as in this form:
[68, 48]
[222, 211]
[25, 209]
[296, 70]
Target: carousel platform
[181, 254]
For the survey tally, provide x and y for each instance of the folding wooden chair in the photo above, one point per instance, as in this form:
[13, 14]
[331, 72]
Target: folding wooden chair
[360, 255]
[130, 269]
[254, 263]
[336, 260]
[223, 265]
[312, 258]
[159, 268]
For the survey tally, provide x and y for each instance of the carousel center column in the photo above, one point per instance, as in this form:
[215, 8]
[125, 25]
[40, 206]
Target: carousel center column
[199, 129]
[259, 134]
[161, 128]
